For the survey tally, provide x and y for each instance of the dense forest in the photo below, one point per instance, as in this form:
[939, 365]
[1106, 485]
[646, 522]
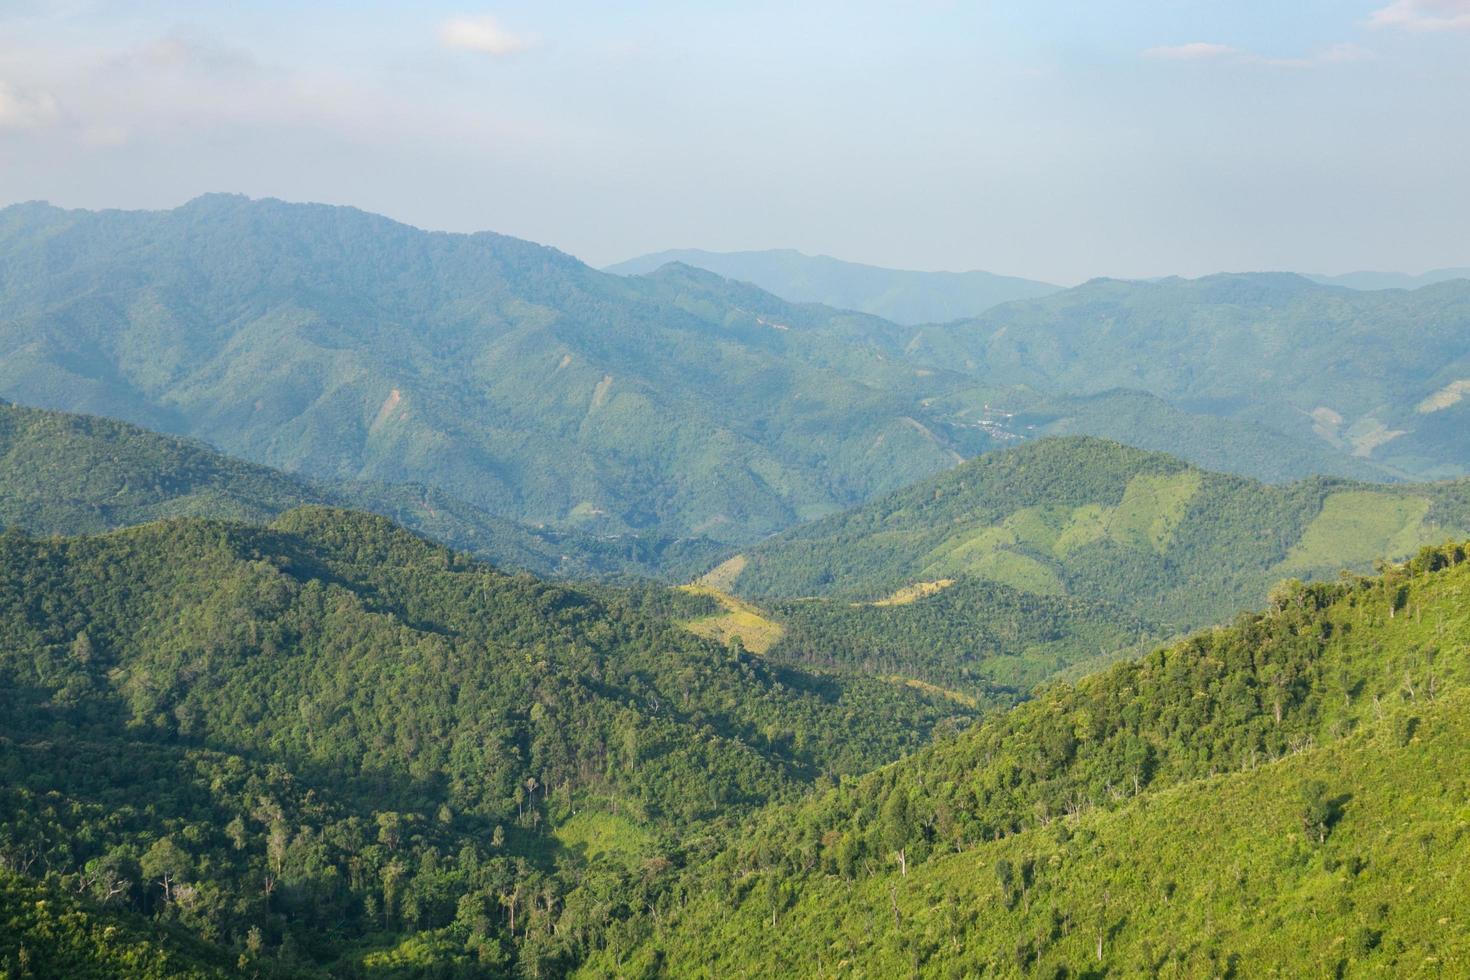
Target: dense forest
[329, 744]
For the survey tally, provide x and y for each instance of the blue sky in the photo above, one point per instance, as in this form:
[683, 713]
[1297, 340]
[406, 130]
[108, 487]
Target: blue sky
[1059, 140]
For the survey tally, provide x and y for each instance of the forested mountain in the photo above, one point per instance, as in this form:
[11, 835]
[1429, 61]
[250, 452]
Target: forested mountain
[346, 346]
[895, 294]
[327, 743]
[76, 474]
[1286, 796]
[1025, 562]
[1135, 418]
[1380, 376]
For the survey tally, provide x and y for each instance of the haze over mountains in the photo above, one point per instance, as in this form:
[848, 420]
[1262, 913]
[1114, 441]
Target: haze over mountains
[1391, 280]
[894, 294]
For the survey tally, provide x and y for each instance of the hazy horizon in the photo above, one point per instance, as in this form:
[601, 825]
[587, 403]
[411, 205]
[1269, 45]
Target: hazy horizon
[1145, 140]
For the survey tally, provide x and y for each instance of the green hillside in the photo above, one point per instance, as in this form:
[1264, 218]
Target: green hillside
[74, 474]
[1060, 553]
[1286, 796]
[329, 744]
[895, 294]
[1378, 376]
[345, 346]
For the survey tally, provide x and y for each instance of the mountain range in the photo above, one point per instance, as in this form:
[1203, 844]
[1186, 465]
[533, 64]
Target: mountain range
[344, 347]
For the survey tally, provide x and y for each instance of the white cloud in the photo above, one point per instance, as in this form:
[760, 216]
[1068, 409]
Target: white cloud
[1425, 15]
[483, 34]
[26, 109]
[1194, 51]
[179, 50]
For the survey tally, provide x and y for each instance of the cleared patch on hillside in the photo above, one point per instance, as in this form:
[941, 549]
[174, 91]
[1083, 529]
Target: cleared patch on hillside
[1327, 424]
[599, 393]
[913, 593]
[740, 619]
[596, 833]
[1020, 572]
[722, 577]
[1368, 434]
[386, 410]
[958, 697]
[1357, 526]
[1088, 525]
[1450, 394]
[1147, 518]
[1152, 509]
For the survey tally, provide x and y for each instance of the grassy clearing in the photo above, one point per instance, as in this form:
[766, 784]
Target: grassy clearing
[756, 631]
[596, 833]
[1152, 509]
[1357, 526]
[722, 577]
[913, 593]
[958, 697]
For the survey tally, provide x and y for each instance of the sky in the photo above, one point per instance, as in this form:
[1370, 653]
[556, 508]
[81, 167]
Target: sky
[1058, 140]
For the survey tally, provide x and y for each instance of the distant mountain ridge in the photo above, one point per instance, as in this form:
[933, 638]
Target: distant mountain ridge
[1378, 376]
[1391, 280]
[903, 296]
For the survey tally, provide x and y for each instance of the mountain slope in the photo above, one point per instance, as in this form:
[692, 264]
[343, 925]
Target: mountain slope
[1377, 375]
[1028, 561]
[349, 739]
[344, 346]
[73, 474]
[1088, 517]
[894, 294]
[1268, 798]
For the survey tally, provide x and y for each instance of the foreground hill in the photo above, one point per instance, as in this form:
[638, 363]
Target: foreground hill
[894, 294]
[319, 741]
[1382, 376]
[76, 474]
[345, 346]
[1283, 797]
[1023, 562]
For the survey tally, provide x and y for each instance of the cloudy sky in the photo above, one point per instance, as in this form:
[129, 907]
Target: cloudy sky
[1053, 139]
